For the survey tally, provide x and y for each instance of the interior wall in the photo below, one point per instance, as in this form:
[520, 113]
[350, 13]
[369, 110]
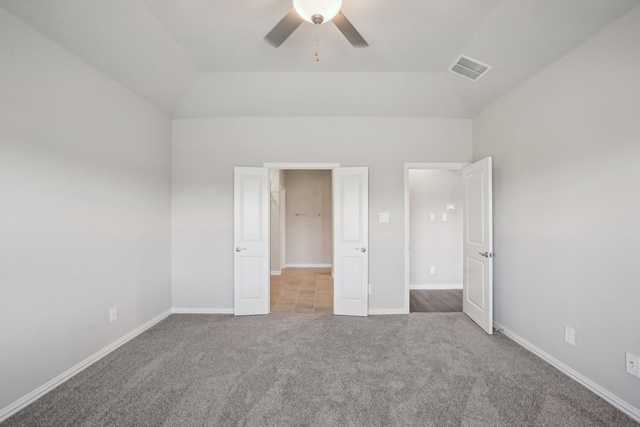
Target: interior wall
[309, 238]
[84, 210]
[436, 243]
[275, 220]
[206, 150]
[566, 151]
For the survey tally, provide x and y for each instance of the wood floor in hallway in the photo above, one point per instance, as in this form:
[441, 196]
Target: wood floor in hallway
[302, 290]
[435, 301]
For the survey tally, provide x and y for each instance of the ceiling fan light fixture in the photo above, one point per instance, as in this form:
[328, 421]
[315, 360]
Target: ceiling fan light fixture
[310, 9]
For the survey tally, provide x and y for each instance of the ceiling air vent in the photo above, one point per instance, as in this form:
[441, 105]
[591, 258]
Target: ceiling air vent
[469, 68]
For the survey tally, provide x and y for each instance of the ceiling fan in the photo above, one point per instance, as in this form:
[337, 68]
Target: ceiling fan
[315, 12]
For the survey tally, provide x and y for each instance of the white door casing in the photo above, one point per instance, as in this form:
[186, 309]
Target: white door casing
[351, 241]
[283, 229]
[251, 241]
[478, 244]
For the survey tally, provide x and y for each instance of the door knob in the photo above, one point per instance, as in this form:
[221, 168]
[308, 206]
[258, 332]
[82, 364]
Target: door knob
[239, 249]
[484, 254]
[361, 249]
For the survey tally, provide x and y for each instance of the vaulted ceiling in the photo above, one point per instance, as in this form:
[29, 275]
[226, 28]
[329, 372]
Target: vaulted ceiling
[204, 58]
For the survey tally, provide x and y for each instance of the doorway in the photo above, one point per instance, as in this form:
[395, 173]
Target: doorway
[251, 284]
[434, 198]
[477, 237]
[301, 253]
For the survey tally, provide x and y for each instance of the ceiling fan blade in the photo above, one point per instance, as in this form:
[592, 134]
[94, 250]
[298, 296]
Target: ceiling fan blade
[284, 29]
[349, 31]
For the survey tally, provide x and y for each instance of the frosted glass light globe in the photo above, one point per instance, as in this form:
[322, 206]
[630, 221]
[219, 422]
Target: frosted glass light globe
[327, 8]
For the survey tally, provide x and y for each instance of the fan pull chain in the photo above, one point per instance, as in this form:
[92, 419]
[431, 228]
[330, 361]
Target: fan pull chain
[317, 42]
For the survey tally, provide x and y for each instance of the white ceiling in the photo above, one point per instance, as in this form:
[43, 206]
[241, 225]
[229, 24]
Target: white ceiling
[202, 58]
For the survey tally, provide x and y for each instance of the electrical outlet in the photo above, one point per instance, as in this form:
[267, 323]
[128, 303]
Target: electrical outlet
[633, 365]
[569, 335]
[113, 314]
[432, 270]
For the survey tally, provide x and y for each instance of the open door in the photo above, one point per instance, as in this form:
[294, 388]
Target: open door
[477, 291]
[351, 241]
[251, 241]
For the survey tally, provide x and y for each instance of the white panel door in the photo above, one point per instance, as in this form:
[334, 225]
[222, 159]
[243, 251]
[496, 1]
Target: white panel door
[478, 244]
[351, 241]
[251, 241]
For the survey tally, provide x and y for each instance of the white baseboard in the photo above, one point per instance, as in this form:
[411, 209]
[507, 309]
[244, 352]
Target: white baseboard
[434, 287]
[201, 310]
[47, 387]
[381, 311]
[308, 265]
[276, 272]
[624, 406]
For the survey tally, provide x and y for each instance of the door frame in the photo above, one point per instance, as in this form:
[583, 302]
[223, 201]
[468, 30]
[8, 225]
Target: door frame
[407, 234]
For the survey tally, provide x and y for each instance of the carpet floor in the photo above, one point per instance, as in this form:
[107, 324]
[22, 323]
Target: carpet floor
[422, 369]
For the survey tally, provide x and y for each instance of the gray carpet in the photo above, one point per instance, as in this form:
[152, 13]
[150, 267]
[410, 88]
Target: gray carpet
[320, 370]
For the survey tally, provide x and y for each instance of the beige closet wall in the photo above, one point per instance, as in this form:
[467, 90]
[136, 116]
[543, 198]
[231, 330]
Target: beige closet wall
[308, 235]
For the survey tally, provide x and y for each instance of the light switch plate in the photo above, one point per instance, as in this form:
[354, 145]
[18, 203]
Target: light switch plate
[444, 217]
[569, 335]
[432, 217]
[384, 216]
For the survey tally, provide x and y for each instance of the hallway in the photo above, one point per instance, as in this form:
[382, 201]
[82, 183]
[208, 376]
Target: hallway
[302, 290]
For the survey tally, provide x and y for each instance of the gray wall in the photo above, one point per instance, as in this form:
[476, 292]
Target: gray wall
[309, 238]
[84, 210]
[566, 150]
[437, 243]
[206, 150]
